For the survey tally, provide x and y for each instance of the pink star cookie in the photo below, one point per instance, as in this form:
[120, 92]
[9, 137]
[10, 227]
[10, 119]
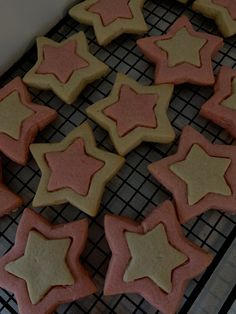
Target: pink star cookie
[43, 269]
[200, 175]
[152, 258]
[221, 107]
[182, 55]
[20, 120]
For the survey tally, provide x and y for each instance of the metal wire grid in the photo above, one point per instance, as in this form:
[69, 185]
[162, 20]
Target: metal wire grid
[133, 192]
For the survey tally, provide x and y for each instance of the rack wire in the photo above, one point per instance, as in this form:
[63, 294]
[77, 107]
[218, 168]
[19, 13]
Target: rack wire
[133, 192]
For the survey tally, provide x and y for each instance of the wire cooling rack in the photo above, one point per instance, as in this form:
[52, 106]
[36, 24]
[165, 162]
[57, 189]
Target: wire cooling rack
[133, 192]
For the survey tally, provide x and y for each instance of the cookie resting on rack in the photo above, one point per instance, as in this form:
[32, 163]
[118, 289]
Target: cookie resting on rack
[110, 19]
[66, 68]
[9, 201]
[200, 175]
[20, 120]
[221, 107]
[74, 171]
[152, 258]
[42, 269]
[223, 12]
[133, 113]
[183, 55]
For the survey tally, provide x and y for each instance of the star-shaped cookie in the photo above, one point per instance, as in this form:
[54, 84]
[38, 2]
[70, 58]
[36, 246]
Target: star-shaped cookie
[201, 175]
[43, 269]
[110, 19]
[74, 171]
[65, 68]
[221, 107]
[9, 200]
[133, 113]
[182, 55]
[152, 258]
[223, 12]
[20, 120]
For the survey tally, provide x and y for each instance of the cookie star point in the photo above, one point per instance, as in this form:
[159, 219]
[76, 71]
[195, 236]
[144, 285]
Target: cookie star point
[35, 267]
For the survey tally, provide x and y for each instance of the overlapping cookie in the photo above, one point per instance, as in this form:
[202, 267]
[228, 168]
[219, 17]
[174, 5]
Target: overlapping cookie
[20, 120]
[74, 171]
[9, 201]
[221, 107]
[65, 68]
[133, 113]
[110, 19]
[152, 258]
[183, 55]
[201, 175]
[223, 12]
[43, 269]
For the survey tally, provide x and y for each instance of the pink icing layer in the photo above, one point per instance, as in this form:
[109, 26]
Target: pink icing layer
[61, 61]
[230, 5]
[111, 10]
[72, 168]
[132, 110]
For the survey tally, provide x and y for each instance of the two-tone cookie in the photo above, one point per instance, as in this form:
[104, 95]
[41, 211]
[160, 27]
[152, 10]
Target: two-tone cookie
[200, 175]
[110, 19]
[221, 107]
[74, 170]
[152, 258]
[223, 12]
[65, 68]
[183, 55]
[43, 269]
[133, 113]
[20, 120]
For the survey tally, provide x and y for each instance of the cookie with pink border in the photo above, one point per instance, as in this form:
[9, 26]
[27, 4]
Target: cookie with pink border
[221, 107]
[183, 55]
[152, 258]
[43, 269]
[200, 175]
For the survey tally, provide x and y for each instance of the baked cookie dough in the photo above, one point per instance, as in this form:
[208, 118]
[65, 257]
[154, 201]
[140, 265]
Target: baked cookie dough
[221, 107]
[43, 269]
[20, 120]
[110, 19]
[200, 175]
[66, 68]
[133, 113]
[183, 55]
[74, 171]
[152, 258]
[223, 12]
